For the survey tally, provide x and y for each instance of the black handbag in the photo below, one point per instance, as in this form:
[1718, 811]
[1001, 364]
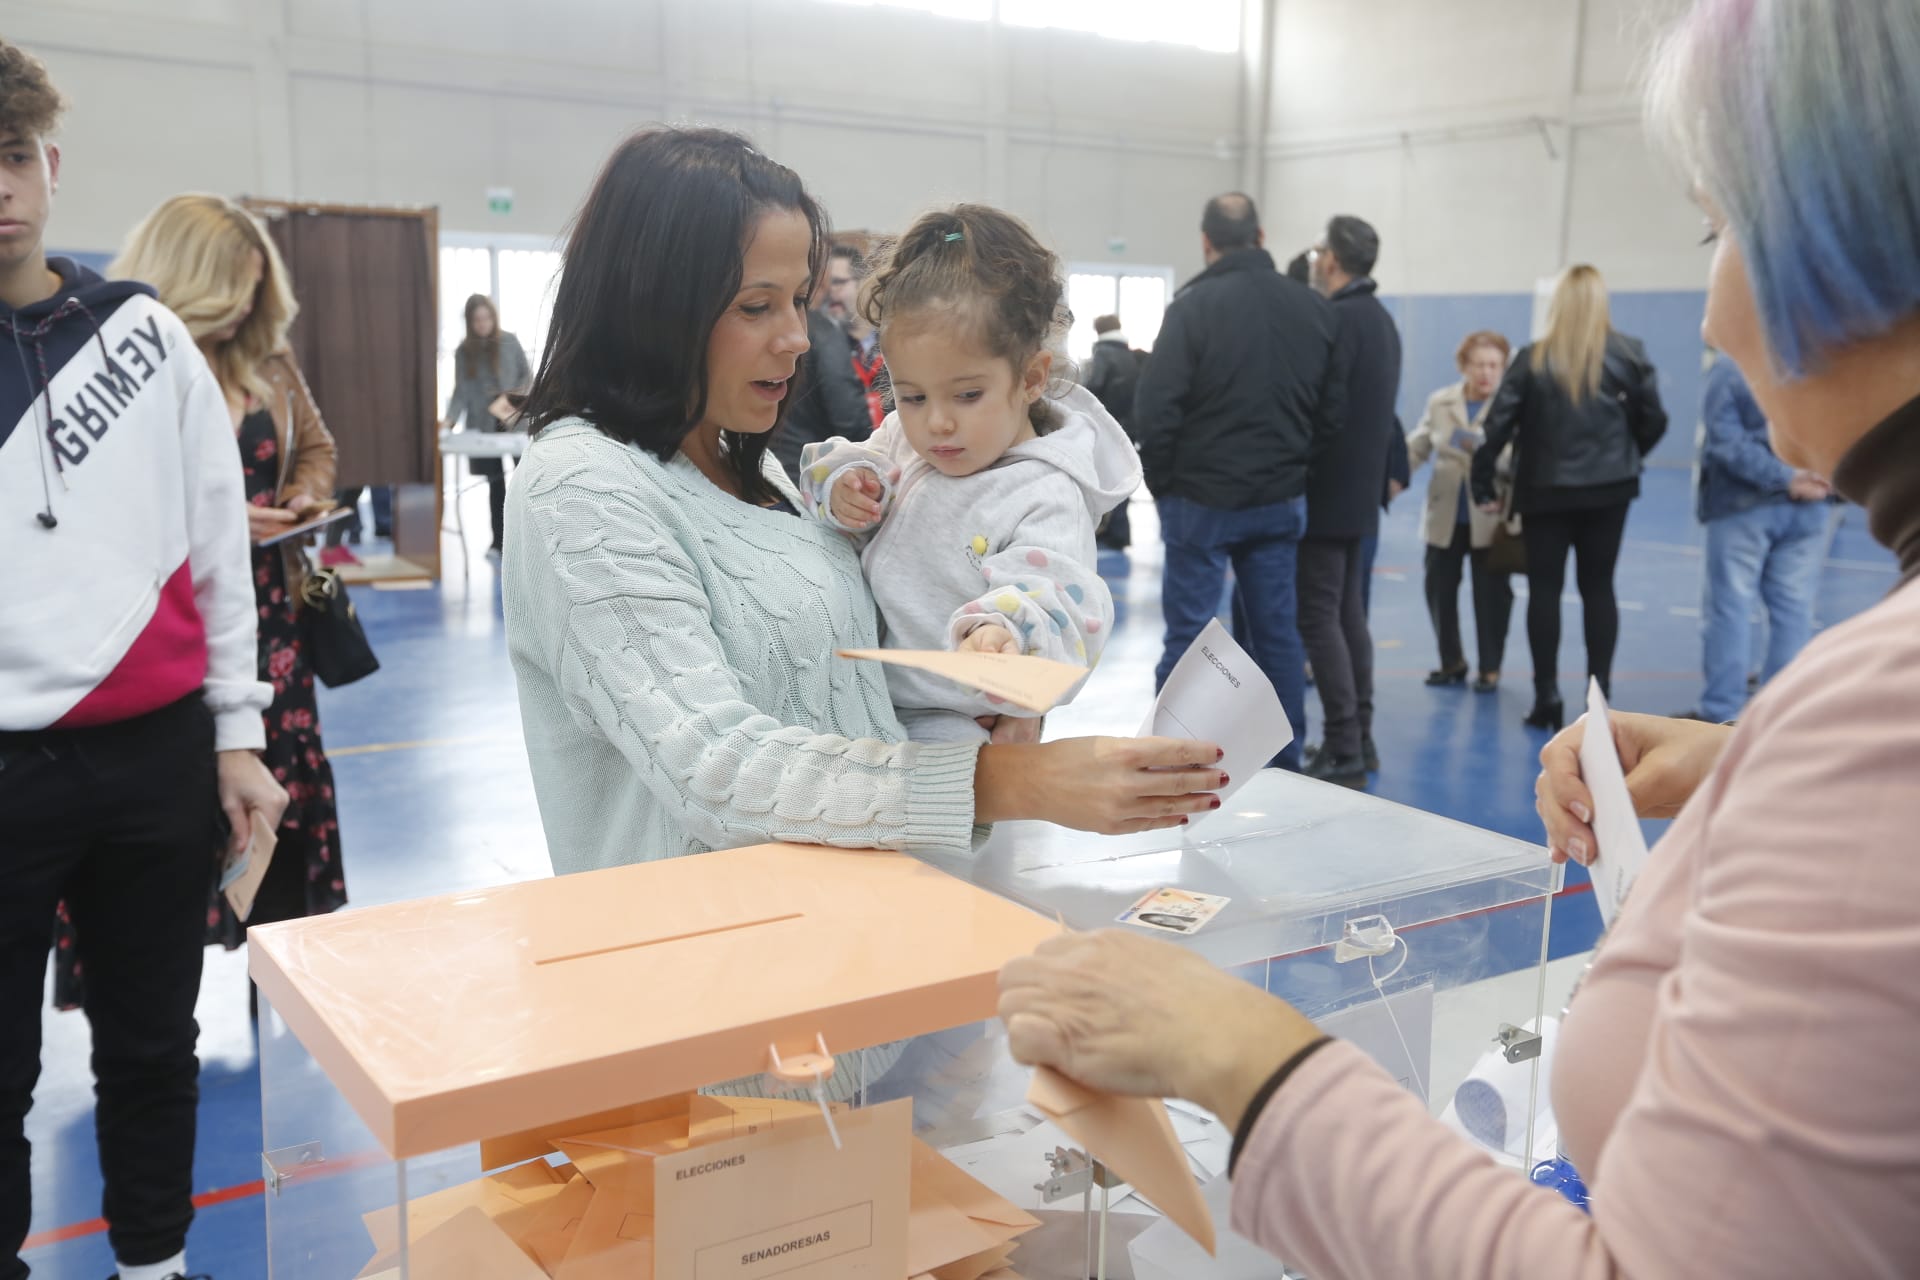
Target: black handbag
[336, 643]
[1507, 553]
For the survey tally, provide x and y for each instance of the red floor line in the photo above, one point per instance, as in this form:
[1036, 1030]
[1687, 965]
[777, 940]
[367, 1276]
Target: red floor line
[93, 1227]
[247, 1190]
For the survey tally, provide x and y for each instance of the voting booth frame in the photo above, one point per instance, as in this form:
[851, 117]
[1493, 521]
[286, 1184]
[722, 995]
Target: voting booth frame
[569, 1078]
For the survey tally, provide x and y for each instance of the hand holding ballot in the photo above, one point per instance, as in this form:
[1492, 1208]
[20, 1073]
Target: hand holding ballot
[1217, 692]
[1665, 761]
[1114, 786]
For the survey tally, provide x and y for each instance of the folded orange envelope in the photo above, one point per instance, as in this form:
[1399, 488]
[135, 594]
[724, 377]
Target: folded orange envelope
[464, 1246]
[1134, 1138]
[975, 1267]
[614, 1240]
[509, 1199]
[512, 1148]
[1036, 684]
[550, 1234]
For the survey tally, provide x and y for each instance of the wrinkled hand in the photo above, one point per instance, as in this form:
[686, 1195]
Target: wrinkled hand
[1006, 729]
[266, 522]
[1113, 786]
[1665, 761]
[855, 500]
[247, 788]
[1131, 1015]
[305, 506]
[991, 638]
[1808, 487]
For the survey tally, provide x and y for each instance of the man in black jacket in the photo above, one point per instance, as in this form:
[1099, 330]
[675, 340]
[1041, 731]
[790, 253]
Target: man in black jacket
[1343, 503]
[828, 398]
[1113, 375]
[1231, 407]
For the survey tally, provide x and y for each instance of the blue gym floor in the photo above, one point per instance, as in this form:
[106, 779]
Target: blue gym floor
[435, 795]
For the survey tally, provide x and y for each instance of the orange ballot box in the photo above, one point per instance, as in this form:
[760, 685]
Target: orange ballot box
[508, 1082]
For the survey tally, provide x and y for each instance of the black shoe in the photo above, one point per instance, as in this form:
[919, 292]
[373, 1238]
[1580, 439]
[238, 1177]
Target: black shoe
[1444, 677]
[1486, 682]
[1342, 771]
[1370, 754]
[1546, 715]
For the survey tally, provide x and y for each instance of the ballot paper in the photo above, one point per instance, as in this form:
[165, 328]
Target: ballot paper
[1135, 1138]
[1621, 846]
[1218, 694]
[1037, 684]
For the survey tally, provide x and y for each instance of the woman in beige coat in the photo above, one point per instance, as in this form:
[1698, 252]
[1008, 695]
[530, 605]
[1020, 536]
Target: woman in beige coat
[1455, 528]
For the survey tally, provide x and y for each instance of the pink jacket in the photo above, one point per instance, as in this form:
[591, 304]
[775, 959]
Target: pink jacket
[1739, 1076]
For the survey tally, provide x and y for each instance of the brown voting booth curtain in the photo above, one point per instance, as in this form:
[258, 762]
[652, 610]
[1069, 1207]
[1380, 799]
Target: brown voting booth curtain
[366, 335]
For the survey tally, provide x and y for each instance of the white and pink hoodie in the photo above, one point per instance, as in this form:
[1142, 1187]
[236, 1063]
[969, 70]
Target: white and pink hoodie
[126, 579]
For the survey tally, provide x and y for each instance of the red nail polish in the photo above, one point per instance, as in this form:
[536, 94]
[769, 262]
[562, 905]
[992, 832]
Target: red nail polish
[1219, 754]
[1183, 822]
[1224, 779]
[1214, 803]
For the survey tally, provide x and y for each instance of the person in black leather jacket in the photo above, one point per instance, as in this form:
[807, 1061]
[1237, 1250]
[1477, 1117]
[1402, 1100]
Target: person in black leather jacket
[1582, 410]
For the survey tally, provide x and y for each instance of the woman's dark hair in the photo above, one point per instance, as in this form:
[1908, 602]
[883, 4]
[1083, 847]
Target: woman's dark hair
[473, 346]
[652, 263]
[985, 268]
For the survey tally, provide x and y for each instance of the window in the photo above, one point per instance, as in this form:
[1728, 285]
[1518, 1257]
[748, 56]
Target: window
[518, 273]
[1211, 25]
[976, 10]
[1138, 295]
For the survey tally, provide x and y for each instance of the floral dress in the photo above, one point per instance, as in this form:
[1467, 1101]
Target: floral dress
[305, 877]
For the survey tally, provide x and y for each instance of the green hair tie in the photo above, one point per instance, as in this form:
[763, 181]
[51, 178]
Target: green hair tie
[955, 235]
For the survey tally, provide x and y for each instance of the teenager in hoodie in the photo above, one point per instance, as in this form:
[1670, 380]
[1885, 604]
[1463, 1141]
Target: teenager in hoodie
[130, 715]
[978, 497]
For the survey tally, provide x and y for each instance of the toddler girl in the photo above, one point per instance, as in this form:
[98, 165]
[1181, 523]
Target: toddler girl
[977, 498]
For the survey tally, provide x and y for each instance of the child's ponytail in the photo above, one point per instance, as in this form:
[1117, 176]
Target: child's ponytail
[984, 267]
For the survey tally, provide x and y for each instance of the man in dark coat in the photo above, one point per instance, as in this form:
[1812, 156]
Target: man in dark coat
[1113, 374]
[828, 398]
[1232, 405]
[1343, 503]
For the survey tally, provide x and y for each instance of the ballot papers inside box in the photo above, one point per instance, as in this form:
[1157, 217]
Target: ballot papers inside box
[671, 1069]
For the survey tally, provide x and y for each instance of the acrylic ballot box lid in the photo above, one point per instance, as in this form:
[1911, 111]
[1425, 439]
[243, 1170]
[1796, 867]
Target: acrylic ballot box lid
[1297, 858]
[455, 1018]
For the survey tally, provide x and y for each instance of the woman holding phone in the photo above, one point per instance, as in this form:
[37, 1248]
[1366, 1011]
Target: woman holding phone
[214, 265]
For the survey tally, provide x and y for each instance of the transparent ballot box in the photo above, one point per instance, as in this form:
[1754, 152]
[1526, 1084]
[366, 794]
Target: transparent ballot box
[782, 1060]
[1421, 939]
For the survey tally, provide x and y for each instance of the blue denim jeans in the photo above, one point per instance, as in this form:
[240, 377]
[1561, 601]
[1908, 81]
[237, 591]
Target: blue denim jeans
[1772, 552]
[1262, 545]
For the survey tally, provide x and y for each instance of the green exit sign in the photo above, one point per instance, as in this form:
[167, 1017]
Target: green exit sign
[500, 200]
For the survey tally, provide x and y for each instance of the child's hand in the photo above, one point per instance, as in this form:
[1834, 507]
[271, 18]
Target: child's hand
[991, 638]
[855, 500]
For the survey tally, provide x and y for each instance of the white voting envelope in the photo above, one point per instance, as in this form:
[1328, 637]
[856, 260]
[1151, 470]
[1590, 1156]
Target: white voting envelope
[1217, 694]
[1622, 845]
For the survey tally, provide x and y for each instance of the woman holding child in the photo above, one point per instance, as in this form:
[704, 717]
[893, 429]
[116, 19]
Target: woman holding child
[671, 614]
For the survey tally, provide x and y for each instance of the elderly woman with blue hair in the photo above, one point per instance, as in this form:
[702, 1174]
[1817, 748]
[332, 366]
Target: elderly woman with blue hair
[1734, 1076]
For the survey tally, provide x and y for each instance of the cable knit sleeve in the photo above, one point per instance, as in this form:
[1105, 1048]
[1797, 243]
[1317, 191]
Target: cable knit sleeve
[641, 663]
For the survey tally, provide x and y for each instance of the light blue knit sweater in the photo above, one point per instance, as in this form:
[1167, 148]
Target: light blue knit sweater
[674, 649]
